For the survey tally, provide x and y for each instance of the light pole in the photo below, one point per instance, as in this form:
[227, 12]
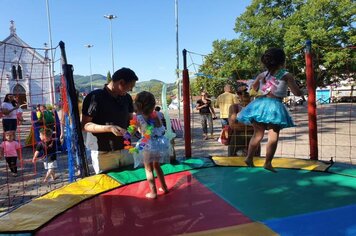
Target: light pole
[177, 55]
[91, 75]
[111, 17]
[51, 64]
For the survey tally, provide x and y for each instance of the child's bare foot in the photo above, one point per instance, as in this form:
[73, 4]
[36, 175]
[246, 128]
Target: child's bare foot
[165, 190]
[249, 162]
[45, 180]
[269, 167]
[151, 195]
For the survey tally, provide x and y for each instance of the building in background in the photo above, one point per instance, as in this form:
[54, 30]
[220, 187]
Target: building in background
[24, 71]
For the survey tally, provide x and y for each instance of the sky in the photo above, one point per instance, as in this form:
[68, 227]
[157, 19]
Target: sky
[144, 32]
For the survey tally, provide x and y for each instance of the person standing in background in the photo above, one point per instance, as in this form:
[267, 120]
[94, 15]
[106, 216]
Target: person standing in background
[9, 111]
[240, 134]
[207, 114]
[224, 101]
[105, 116]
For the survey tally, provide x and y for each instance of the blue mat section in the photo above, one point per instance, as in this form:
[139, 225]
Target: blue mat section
[337, 221]
[262, 195]
[196, 162]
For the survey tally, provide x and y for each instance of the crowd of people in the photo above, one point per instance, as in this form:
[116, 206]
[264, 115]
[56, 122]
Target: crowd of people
[43, 124]
[110, 116]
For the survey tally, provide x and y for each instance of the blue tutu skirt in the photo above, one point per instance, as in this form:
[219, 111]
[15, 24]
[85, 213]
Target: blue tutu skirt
[266, 110]
[157, 149]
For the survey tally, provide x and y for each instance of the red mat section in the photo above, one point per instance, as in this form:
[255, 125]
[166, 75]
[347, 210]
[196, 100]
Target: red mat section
[189, 207]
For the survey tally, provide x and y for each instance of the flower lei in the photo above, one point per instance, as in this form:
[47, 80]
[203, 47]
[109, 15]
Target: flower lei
[145, 137]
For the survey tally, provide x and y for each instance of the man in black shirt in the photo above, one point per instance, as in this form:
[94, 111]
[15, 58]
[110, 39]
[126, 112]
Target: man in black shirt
[205, 110]
[106, 115]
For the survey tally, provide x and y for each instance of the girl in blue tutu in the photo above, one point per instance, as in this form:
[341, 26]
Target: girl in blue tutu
[153, 147]
[267, 112]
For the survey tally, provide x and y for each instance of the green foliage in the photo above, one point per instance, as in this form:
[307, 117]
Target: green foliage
[154, 87]
[108, 77]
[213, 86]
[169, 99]
[82, 83]
[288, 24]
[194, 87]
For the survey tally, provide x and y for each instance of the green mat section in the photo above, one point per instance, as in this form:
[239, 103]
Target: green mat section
[263, 195]
[135, 175]
[343, 169]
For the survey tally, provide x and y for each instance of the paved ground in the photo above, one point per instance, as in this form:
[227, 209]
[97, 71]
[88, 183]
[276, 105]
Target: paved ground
[336, 136]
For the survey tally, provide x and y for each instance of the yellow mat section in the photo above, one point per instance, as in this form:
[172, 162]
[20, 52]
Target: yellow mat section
[278, 162]
[39, 211]
[250, 229]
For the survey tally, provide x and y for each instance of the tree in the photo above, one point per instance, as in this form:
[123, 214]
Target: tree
[288, 24]
[156, 90]
[213, 86]
[108, 77]
[329, 24]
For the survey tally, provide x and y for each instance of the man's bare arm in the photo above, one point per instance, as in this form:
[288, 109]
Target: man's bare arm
[89, 126]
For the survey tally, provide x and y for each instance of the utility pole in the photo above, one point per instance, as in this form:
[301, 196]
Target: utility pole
[91, 74]
[111, 17]
[177, 55]
[51, 63]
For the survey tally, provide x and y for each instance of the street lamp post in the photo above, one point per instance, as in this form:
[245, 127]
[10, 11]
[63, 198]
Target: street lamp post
[111, 17]
[91, 74]
[177, 55]
[51, 64]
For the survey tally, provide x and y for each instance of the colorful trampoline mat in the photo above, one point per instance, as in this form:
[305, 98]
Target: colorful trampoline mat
[204, 199]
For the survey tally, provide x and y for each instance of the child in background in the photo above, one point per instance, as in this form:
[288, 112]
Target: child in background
[153, 148]
[240, 134]
[160, 115]
[46, 117]
[10, 149]
[47, 149]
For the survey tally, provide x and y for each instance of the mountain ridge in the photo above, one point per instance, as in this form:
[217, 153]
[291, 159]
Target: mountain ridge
[82, 83]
